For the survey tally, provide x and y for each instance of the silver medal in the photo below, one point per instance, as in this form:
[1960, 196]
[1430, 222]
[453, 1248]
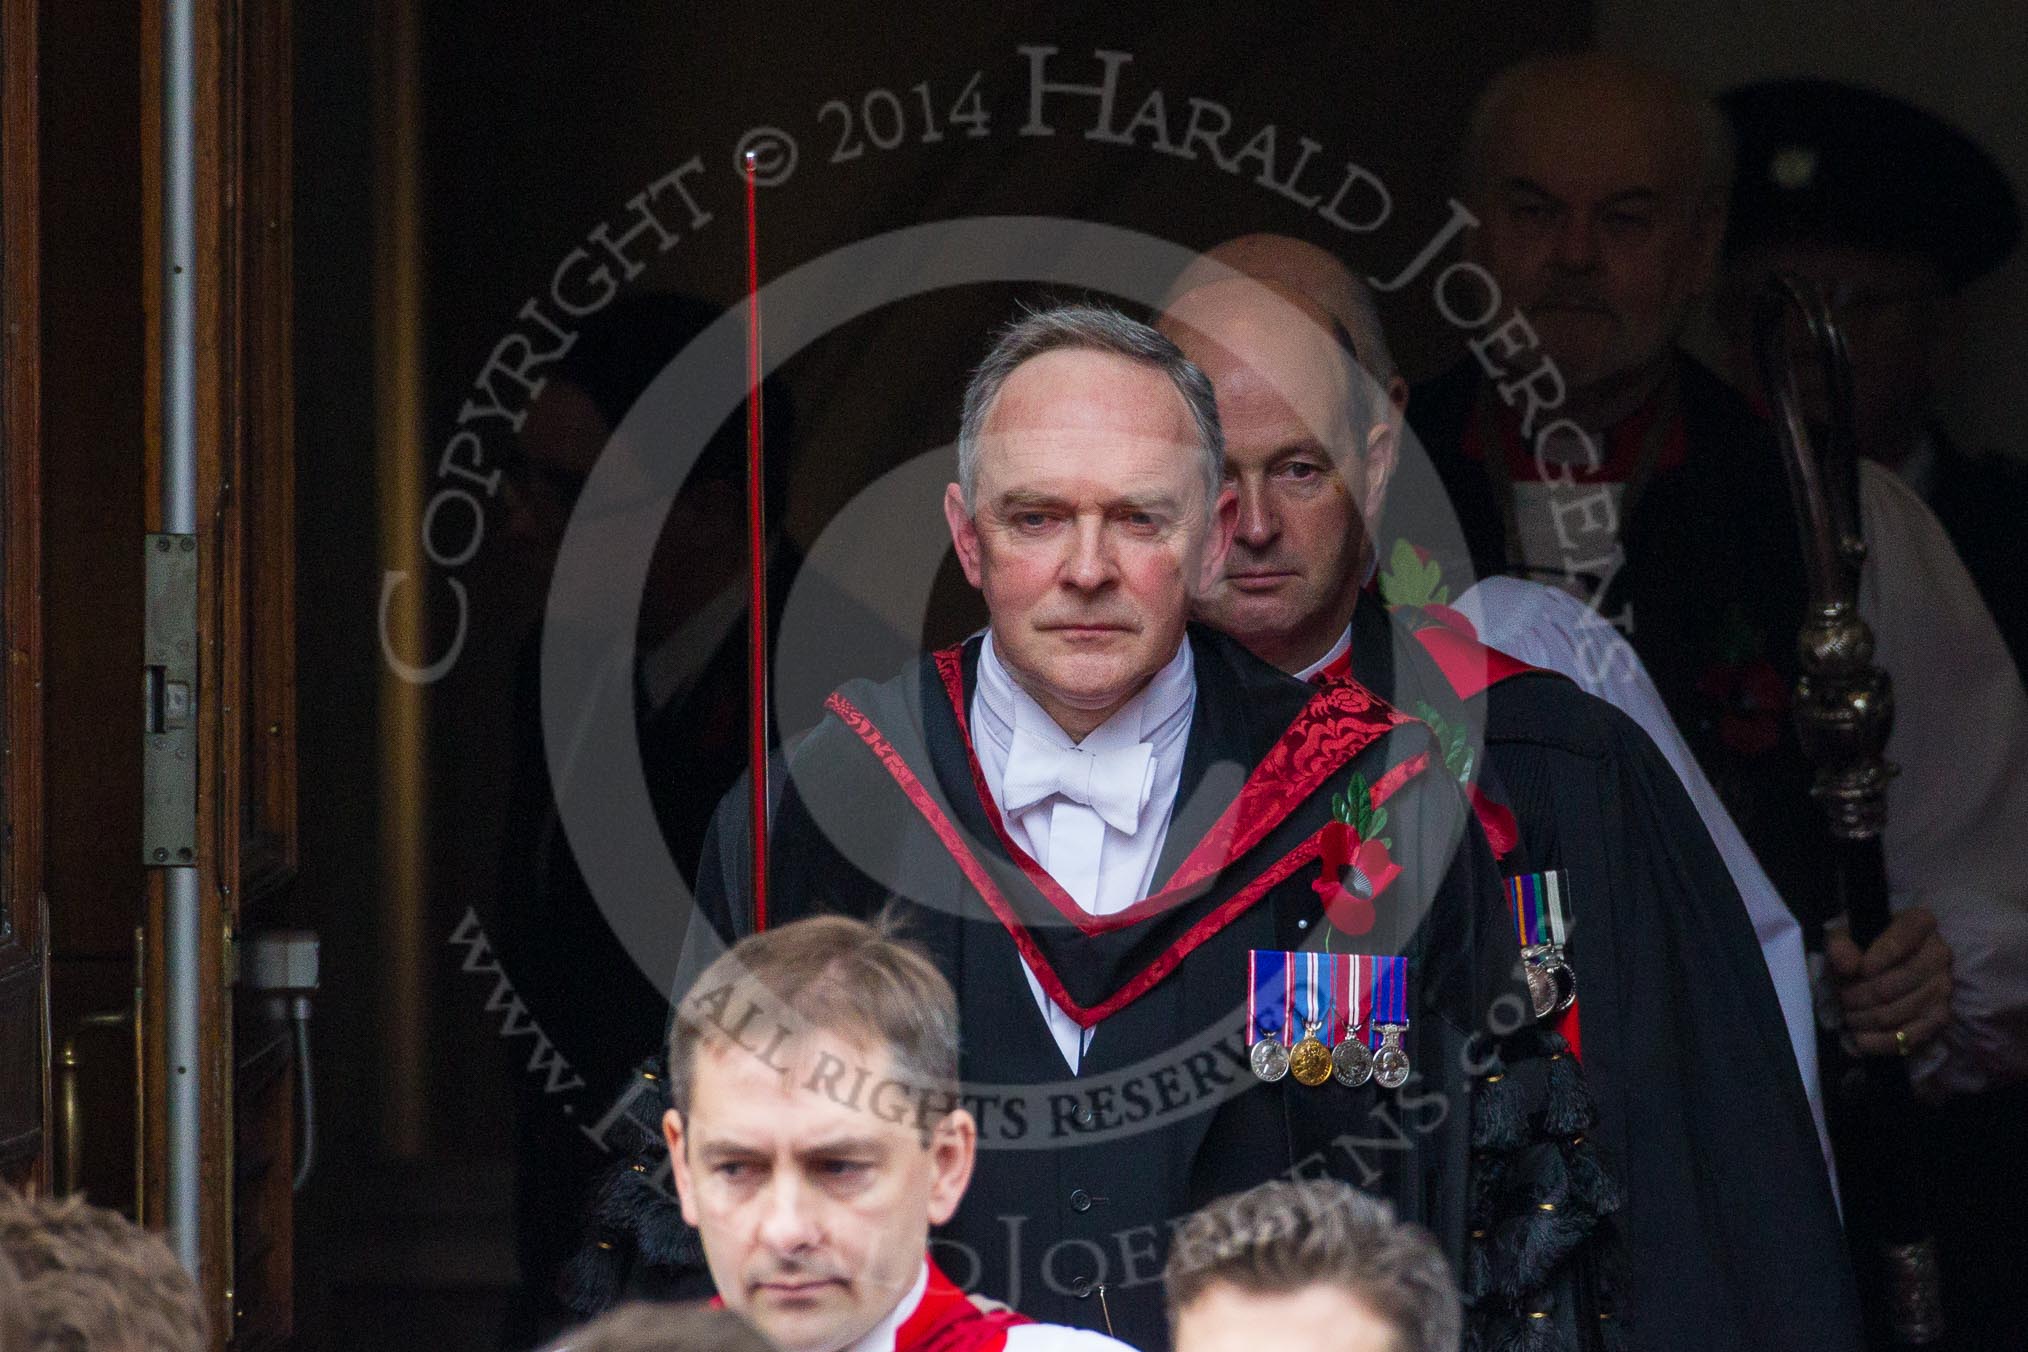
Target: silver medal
[1552, 985]
[1541, 988]
[1564, 977]
[1270, 1059]
[1351, 1062]
[1390, 1063]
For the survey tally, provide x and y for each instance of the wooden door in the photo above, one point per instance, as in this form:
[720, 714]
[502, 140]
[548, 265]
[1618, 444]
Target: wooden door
[24, 962]
[244, 715]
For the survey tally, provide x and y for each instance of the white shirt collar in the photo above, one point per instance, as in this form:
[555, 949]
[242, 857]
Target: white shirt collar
[1170, 694]
[1338, 650]
[881, 1337]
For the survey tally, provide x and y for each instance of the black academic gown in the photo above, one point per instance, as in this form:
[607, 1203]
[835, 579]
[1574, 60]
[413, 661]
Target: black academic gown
[1732, 1238]
[576, 980]
[1711, 595]
[1081, 1177]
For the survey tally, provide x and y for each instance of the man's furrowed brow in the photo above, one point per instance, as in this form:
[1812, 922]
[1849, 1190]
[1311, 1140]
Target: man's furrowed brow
[846, 1145]
[721, 1149]
[1028, 500]
[1298, 449]
[1155, 504]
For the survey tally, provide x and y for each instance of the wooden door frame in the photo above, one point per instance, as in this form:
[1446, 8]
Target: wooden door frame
[246, 729]
[24, 959]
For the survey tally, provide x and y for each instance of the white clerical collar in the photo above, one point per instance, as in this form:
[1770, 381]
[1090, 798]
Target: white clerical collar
[1169, 695]
[881, 1337]
[1338, 650]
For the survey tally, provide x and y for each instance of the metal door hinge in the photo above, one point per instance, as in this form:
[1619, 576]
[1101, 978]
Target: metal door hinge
[169, 704]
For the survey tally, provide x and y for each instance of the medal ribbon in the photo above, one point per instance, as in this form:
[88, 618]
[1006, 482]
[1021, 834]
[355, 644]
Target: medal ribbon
[1316, 986]
[1388, 982]
[1540, 915]
[1268, 997]
[1340, 969]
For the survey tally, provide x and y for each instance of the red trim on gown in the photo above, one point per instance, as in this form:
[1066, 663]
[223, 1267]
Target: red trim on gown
[946, 1320]
[1340, 721]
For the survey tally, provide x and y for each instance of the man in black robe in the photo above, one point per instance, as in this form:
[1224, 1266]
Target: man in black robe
[1579, 443]
[1092, 815]
[1733, 1239]
[686, 684]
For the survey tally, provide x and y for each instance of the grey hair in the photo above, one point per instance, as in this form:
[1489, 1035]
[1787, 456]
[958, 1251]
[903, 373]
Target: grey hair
[1087, 328]
[1716, 146]
[1281, 1237]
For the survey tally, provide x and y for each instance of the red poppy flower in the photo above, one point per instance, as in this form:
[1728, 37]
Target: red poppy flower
[1363, 864]
[1503, 833]
[1336, 843]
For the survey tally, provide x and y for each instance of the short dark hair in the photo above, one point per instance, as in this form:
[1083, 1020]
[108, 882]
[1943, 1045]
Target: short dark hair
[1282, 1237]
[90, 1280]
[832, 974]
[643, 1326]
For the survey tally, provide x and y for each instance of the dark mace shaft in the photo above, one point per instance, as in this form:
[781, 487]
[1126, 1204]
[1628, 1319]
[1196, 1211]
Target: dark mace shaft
[1844, 712]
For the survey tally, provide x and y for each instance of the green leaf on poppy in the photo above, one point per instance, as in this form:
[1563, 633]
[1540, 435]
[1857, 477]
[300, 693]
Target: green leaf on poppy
[1409, 580]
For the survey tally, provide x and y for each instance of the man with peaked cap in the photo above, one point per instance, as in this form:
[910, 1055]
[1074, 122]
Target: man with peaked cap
[1702, 1111]
[1893, 212]
[1109, 829]
[1578, 443]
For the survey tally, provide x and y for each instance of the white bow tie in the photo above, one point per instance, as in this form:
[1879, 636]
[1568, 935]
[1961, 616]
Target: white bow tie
[1115, 784]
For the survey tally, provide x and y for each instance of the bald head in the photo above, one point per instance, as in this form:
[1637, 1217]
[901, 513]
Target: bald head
[1260, 340]
[1600, 186]
[1306, 454]
[1308, 271]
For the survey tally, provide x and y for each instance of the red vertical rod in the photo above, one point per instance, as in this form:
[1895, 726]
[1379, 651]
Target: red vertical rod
[756, 549]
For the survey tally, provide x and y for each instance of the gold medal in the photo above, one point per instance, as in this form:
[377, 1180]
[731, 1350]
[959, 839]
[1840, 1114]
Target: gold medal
[1310, 1062]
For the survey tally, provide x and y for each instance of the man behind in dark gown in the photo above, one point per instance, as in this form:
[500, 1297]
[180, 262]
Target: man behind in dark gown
[1104, 824]
[1701, 1108]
